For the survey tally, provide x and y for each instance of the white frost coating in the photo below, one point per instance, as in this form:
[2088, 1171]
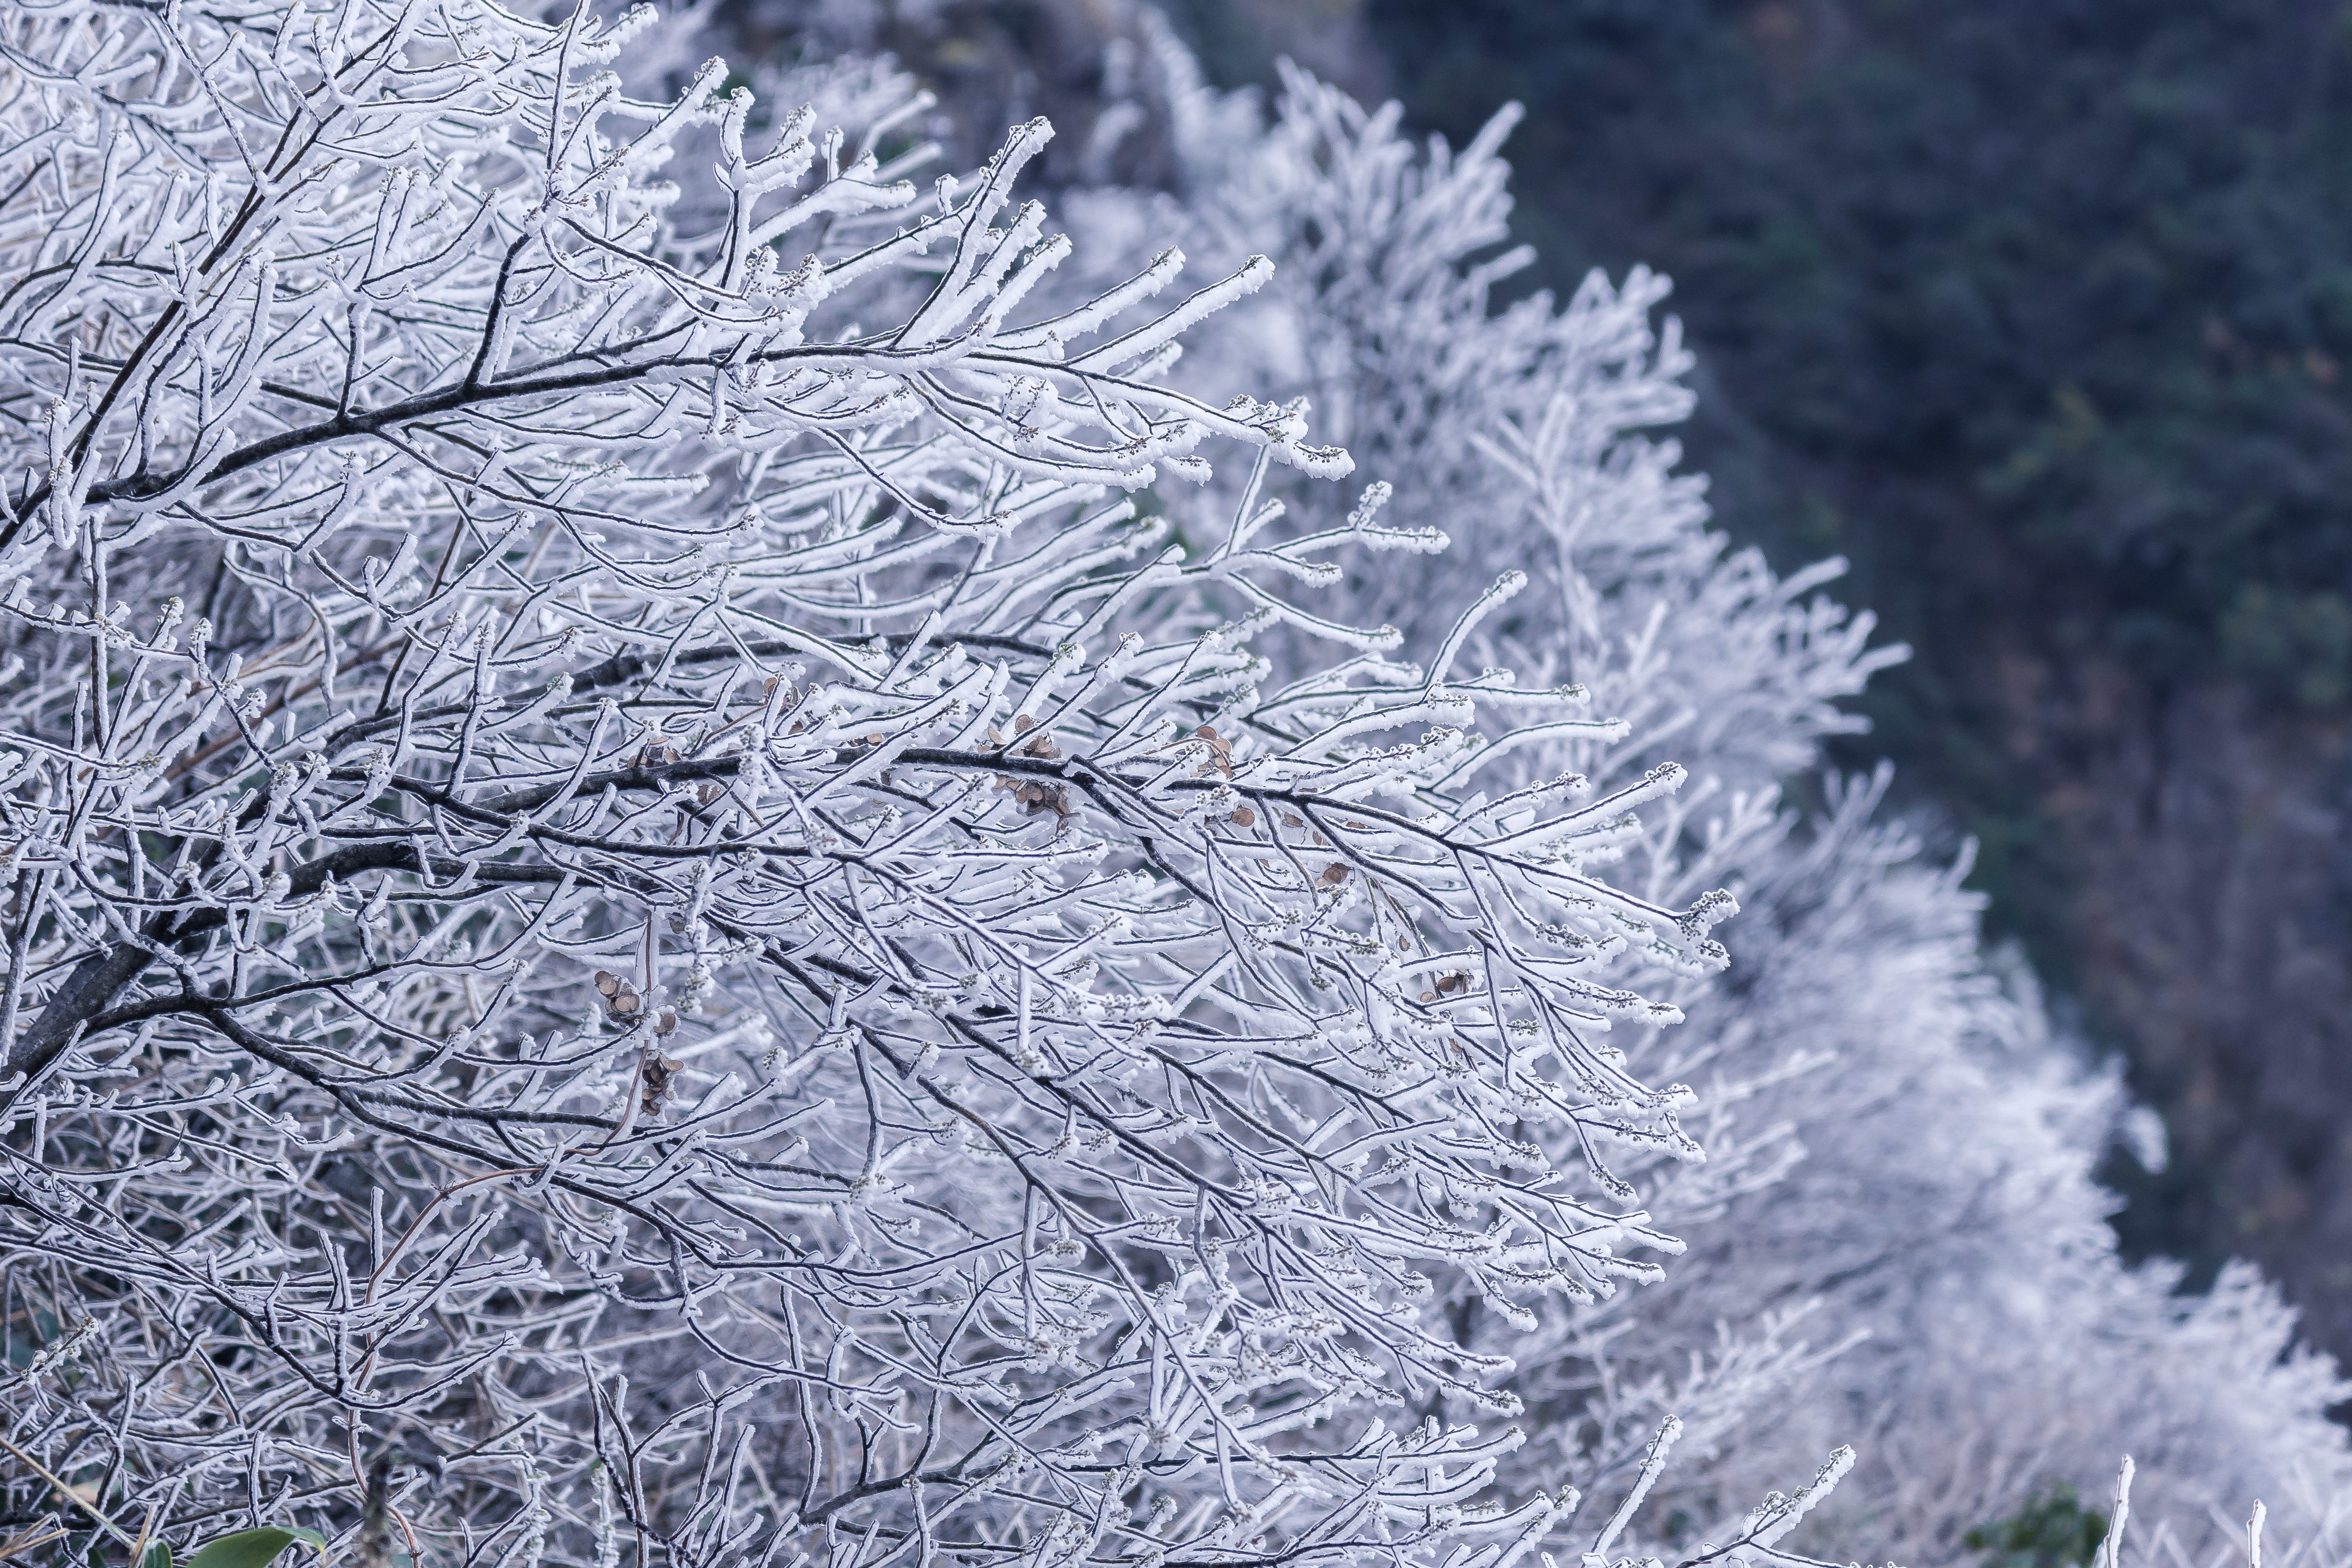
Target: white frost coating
[638, 924]
[2111, 1550]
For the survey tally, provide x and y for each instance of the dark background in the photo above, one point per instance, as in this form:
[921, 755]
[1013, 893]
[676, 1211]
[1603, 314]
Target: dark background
[2041, 312]
[2038, 311]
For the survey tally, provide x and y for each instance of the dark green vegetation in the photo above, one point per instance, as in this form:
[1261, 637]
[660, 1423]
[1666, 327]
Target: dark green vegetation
[2041, 312]
[2053, 1530]
[2037, 311]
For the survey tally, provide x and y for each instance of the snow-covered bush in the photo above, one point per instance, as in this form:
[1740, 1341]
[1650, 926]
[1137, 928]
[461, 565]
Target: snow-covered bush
[647, 913]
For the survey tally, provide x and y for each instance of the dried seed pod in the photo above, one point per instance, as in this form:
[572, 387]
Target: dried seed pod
[655, 1078]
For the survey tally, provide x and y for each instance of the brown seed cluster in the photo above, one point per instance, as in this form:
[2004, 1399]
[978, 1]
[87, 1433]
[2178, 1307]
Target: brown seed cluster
[622, 1004]
[1221, 752]
[653, 1079]
[655, 1070]
[1034, 794]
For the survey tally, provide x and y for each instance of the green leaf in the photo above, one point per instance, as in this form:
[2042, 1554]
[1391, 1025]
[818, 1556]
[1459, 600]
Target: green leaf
[252, 1548]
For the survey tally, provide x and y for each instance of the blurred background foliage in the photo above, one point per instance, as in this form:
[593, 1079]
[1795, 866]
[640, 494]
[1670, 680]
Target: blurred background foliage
[2036, 311]
[2052, 1530]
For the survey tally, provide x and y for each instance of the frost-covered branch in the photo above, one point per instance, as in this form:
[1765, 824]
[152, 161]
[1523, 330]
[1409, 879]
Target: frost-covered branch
[643, 913]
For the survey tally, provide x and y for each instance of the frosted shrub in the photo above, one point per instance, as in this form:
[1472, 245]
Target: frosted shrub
[701, 867]
[647, 915]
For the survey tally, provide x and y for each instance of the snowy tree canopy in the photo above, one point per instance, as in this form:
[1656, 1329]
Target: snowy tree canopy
[647, 912]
